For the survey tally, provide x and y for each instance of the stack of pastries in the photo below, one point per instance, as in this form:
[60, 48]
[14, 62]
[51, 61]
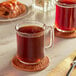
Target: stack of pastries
[11, 9]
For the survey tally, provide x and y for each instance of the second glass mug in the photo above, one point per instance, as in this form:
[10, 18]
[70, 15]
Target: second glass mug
[31, 41]
[65, 20]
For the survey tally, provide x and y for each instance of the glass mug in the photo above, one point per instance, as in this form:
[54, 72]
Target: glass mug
[44, 5]
[65, 20]
[31, 41]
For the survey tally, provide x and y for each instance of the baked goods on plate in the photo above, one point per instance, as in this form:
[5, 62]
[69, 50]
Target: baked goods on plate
[12, 9]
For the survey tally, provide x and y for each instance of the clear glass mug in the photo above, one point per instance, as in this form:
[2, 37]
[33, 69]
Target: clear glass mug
[31, 41]
[44, 5]
[65, 20]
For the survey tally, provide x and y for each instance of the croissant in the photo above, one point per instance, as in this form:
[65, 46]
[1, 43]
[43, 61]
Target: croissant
[11, 9]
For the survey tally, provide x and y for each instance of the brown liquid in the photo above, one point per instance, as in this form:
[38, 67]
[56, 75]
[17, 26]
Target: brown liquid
[30, 49]
[65, 17]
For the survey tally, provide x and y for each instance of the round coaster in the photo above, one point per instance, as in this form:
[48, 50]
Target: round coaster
[32, 68]
[64, 35]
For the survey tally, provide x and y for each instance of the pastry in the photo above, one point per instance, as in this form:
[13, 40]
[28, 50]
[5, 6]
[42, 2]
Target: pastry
[11, 9]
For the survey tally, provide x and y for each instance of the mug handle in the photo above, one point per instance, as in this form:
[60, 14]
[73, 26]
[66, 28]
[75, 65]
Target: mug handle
[51, 31]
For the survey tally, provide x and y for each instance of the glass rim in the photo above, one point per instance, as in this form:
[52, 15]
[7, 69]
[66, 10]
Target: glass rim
[30, 34]
[65, 4]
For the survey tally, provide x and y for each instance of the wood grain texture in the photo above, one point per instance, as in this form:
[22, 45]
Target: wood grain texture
[63, 67]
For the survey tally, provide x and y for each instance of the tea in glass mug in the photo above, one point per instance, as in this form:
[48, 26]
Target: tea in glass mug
[65, 20]
[31, 41]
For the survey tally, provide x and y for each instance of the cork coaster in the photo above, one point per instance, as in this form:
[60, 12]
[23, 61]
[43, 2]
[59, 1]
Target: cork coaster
[64, 35]
[31, 68]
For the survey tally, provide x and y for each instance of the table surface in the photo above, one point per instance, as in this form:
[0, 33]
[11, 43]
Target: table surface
[61, 49]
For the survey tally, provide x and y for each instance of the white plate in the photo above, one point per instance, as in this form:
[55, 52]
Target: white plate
[16, 18]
